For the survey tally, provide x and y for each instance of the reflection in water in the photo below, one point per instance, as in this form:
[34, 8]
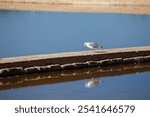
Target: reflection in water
[72, 75]
[93, 83]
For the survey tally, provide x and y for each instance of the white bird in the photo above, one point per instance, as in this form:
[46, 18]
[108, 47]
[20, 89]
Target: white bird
[92, 45]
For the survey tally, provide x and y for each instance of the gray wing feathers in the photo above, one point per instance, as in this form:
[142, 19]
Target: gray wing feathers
[94, 45]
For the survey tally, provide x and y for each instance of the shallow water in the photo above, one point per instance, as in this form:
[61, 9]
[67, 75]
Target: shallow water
[28, 32]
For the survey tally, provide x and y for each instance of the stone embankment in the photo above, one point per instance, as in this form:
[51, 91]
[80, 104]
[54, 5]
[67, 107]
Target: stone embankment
[73, 60]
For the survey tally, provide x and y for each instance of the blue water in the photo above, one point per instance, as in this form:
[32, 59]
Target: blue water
[29, 32]
[133, 86]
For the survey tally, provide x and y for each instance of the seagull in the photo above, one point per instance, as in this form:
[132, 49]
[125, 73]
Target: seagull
[92, 45]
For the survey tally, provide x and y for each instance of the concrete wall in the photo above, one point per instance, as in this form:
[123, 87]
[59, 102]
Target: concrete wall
[73, 60]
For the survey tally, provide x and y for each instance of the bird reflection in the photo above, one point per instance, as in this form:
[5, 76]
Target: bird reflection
[93, 83]
[95, 76]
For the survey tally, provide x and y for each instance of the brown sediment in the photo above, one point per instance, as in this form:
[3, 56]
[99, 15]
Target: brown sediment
[73, 60]
[115, 6]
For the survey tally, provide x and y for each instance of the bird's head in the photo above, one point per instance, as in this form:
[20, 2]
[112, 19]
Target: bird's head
[85, 44]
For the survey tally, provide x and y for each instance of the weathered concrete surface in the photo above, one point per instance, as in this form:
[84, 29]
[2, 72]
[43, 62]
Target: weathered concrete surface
[73, 57]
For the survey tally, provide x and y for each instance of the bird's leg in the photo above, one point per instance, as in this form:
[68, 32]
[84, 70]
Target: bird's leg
[95, 51]
[92, 50]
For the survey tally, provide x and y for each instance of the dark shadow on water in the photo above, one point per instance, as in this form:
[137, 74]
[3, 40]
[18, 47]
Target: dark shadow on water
[71, 75]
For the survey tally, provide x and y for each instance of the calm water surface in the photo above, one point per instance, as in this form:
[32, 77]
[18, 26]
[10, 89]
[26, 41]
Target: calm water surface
[28, 32]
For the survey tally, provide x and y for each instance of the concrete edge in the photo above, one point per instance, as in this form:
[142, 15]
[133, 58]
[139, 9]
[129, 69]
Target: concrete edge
[56, 67]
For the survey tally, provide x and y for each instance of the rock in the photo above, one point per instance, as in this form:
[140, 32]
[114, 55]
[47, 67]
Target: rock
[12, 71]
[55, 67]
[44, 68]
[93, 63]
[106, 62]
[16, 71]
[80, 65]
[4, 72]
[116, 61]
[139, 59]
[31, 70]
[146, 58]
[129, 60]
[67, 66]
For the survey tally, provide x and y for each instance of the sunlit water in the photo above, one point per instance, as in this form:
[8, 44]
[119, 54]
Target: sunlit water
[28, 32]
